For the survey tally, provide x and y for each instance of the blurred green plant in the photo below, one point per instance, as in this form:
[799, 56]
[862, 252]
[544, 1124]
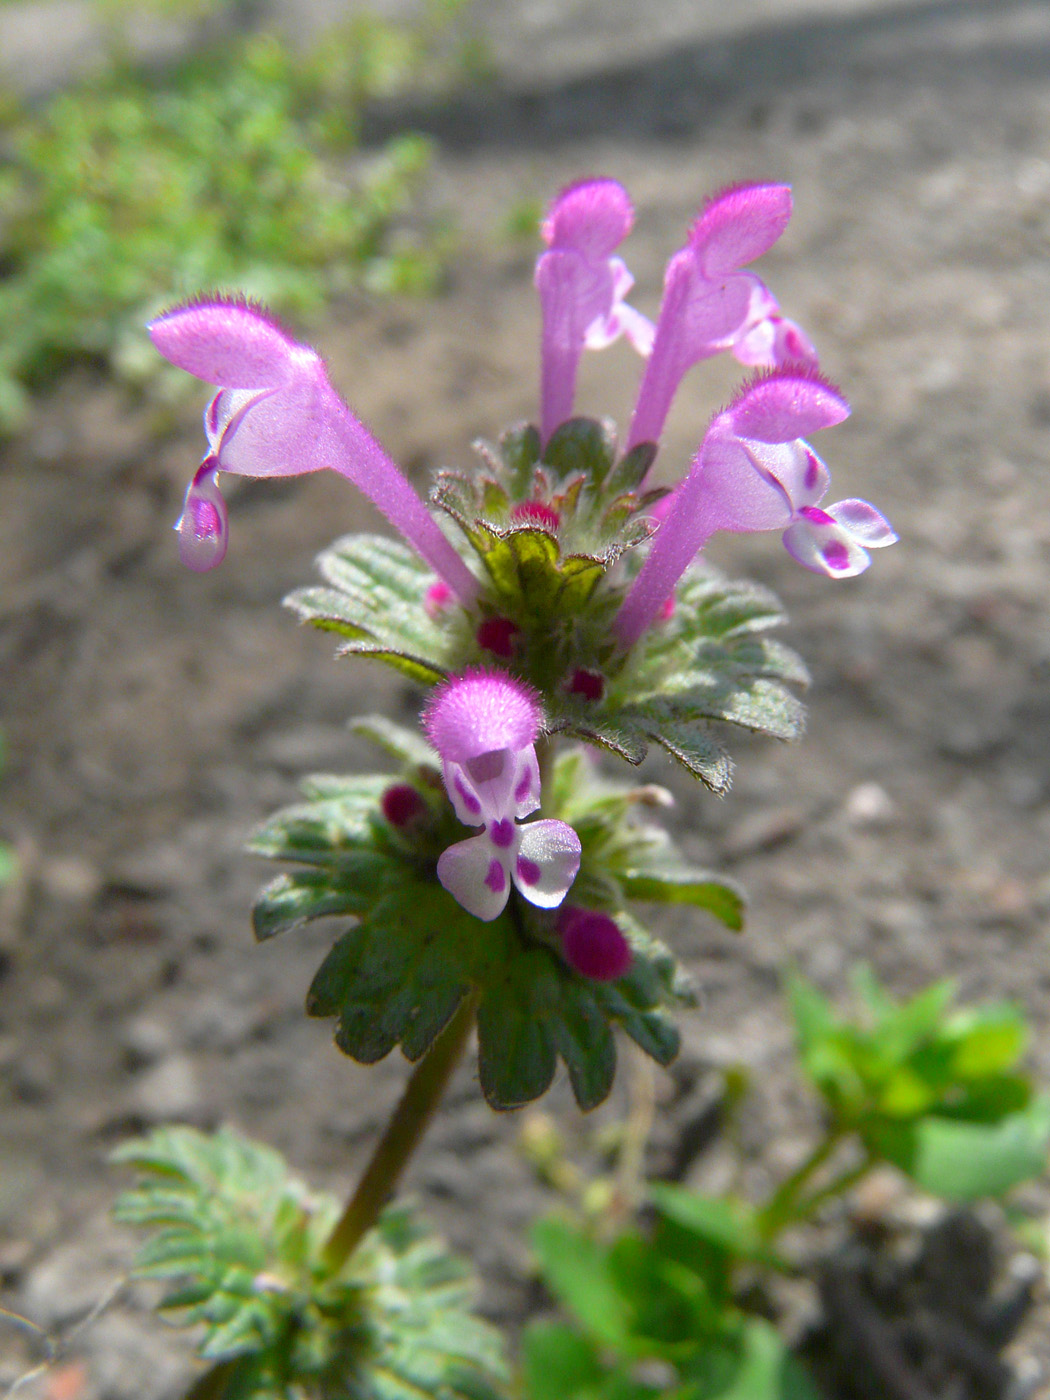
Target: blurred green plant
[671, 1308]
[239, 166]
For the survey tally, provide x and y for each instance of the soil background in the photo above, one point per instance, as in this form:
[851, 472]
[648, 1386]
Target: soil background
[153, 716]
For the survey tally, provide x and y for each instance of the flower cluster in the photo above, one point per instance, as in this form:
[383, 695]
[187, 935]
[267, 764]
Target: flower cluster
[276, 414]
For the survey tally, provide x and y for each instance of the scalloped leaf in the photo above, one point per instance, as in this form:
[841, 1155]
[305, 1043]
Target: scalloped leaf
[399, 975]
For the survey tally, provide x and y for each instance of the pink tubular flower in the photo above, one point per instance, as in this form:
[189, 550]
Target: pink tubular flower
[710, 304]
[754, 472]
[484, 725]
[276, 414]
[582, 288]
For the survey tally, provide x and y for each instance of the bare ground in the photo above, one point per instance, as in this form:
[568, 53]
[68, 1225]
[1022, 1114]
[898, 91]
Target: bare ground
[153, 716]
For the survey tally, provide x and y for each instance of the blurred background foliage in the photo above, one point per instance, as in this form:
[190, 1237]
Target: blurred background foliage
[239, 166]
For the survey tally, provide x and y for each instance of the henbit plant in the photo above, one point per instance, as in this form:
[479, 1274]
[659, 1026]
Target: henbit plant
[492, 878]
[677, 1303]
[238, 166]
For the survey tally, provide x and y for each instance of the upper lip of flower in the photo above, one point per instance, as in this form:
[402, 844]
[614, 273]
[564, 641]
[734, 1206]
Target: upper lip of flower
[278, 415]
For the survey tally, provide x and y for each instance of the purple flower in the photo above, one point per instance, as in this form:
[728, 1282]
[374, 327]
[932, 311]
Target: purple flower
[582, 288]
[754, 472]
[484, 725]
[710, 304]
[276, 414]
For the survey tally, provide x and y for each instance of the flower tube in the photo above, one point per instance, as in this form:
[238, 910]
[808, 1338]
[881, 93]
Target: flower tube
[276, 414]
[754, 472]
[582, 288]
[710, 304]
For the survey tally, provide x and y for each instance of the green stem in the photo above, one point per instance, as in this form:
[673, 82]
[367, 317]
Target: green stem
[836, 1187]
[781, 1208]
[402, 1136]
[545, 750]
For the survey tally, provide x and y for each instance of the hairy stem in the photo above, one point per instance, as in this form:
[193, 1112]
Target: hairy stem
[402, 1136]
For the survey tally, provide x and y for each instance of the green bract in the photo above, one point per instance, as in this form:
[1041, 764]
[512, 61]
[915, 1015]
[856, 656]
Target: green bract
[560, 585]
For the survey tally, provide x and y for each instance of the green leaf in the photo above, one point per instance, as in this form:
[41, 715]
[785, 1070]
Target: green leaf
[246, 1241]
[726, 1224]
[520, 449]
[988, 1040]
[685, 886]
[760, 1368]
[967, 1160]
[696, 750]
[398, 976]
[582, 446]
[375, 598]
[291, 900]
[578, 1272]
[586, 1044]
[406, 746]
[558, 1363]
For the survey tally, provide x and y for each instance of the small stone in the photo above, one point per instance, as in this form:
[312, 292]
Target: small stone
[70, 879]
[68, 1283]
[145, 1040]
[762, 831]
[169, 1090]
[869, 804]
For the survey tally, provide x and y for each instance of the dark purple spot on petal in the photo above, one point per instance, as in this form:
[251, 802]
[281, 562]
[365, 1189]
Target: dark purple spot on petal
[466, 796]
[501, 833]
[486, 766]
[528, 871]
[525, 787]
[836, 555]
[496, 879]
[205, 520]
[812, 467]
[815, 515]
